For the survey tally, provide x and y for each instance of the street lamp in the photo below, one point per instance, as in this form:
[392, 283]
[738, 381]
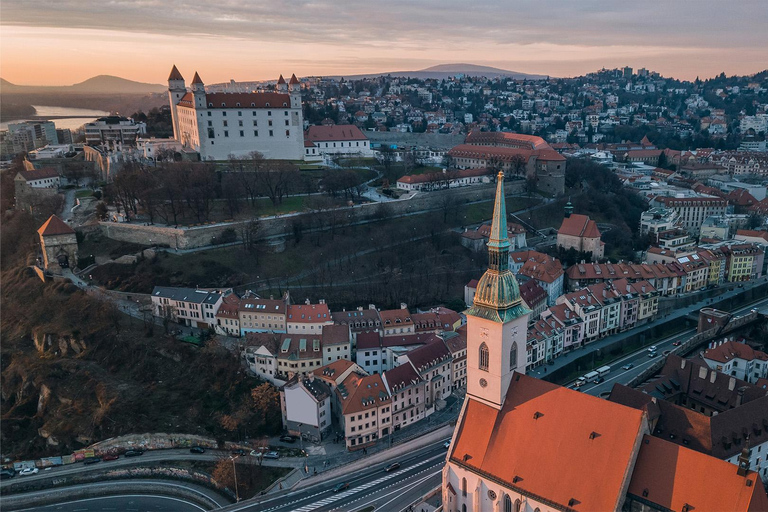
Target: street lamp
[234, 472]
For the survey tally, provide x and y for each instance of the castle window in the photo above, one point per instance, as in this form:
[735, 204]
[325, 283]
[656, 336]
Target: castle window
[210, 123]
[225, 123]
[483, 356]
[286, 112]
[240, 123]
[226, 133]
[210, 105]
[270, 133]
[225, 112]
[255, 133]
[287, 133]
[242, 133]
[513, 357]
[255, 123]
[209, 112]
[287, 122]
[211, 134]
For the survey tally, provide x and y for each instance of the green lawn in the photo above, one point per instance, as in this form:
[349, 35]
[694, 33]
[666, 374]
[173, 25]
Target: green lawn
[290, 204]
[84, 193]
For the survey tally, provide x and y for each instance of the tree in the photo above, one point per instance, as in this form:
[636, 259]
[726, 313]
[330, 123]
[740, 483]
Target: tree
[266, 408]
[249, 231]
[518, 165]
[101, 211]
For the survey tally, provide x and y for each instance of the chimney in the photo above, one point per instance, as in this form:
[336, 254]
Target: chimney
[744, 459]
[740, 396]
[306, 301]
[731, 384]
[712, 377]
[682, 363]
[372, 306]
[360, 308]
[403, 305]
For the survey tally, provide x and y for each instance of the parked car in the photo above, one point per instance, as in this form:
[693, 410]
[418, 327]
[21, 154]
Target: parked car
[91, 460]
[134, 453]
[7, 473]
[271, 455]
[110, 456]
[238, 451]
[628, 366]
[288, 439]
[197, 449]
[392, 467]
[340, 486]
[29, 471]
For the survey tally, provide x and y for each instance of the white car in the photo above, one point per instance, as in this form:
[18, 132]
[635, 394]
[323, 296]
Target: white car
[29, 471]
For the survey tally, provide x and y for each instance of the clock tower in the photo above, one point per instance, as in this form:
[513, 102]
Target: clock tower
[497, 322]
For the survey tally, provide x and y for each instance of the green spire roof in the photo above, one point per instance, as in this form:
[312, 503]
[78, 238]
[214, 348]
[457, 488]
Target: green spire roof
[499, 237]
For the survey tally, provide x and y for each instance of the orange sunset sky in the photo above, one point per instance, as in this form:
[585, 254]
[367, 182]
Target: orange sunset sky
[67, 41]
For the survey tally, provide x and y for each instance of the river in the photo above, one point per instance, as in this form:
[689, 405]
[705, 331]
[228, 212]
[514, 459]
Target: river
[73, 123]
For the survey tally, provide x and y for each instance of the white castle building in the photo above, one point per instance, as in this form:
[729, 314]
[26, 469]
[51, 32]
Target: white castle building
[218, 125]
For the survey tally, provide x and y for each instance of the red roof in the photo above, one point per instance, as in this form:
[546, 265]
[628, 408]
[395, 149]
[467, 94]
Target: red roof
[752, 234]
[544, 441]
[294, 80]
[677, 478]
[359, 393]
[240, 100]
[334, 133]
[502, 138]
[309, 313]
[731, 350]
[39, 174]
[55, 226]
[532, 293]
[196, 79]
[175, 75]
[579, 225]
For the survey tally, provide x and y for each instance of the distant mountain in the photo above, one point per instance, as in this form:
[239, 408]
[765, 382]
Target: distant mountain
[102, 84]
[448, 70]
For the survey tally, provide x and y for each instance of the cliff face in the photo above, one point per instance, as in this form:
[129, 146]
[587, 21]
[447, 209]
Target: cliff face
[75, 371]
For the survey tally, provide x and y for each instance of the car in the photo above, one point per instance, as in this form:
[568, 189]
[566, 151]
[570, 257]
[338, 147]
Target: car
[447, 445]
[341, 486]
[599, 380]
[134, 453]
[197, 449]
[271, 455]
[91, 460]
[652, 354]
[238, 451]
[7, 473]
[110, 456]
[628, 366]
[288, 439]
[392, 467]
[29, 471]
[652, 348]
[676, 343]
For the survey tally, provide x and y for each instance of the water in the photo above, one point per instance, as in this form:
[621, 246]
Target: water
[66, 122]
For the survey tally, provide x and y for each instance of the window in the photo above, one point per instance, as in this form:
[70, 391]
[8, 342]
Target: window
[226, 133]
[464, 487]
[240, 112]
[270, 133]
[287, 123]
[287, 133]
[483, 357]
[269, 112]
[518, 505]
[270, 122]
[209, 112]
[255, 133]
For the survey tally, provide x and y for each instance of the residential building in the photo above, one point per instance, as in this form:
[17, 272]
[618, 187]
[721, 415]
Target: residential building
[366, 409]
[187, 306]
[667, 279]
[306, 406]
[457, 344]
[571, 324]
[359, 320]
[693, 210]
[697, 272]
[261, 351]
[744, 262]
[579, 232]
[534, 297]
[657, 220]
[738, 360]
[218, 125]
[27, 136]
[58, 243]
[299, 354]
[408, 392]
[337, 343]
[114, 131]
[432, 362]
[228, 317]
[261, 315]
[307, 318]
[470, 289]
[376, 353]
[396, 322]
[542, 268]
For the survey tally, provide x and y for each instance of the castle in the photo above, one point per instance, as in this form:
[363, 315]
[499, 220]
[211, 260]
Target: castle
[221, 125]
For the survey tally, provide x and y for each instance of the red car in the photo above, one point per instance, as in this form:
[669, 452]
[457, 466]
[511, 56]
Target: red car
[676, 344]
[110, 456]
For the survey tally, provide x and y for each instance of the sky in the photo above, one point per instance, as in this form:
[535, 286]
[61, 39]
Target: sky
[61, 42]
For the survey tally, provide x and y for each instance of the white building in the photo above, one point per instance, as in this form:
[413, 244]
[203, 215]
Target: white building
[307, 318]
[114, 131]
[306, 407]
[738, 360]
[336, 343]
[187, 306]
[220, 125]
[336, 140]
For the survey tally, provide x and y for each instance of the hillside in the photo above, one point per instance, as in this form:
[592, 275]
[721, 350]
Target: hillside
[102, 84]
[442, 71]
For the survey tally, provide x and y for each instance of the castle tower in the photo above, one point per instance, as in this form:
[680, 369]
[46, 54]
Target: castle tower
[176, 90]
[198, 89]
[59, 244]
[282, 86]
[497, 322]
[295, 87]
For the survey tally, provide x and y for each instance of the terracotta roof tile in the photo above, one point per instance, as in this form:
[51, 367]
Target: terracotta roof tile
[55, 226]
[580, 226]
[335, 132]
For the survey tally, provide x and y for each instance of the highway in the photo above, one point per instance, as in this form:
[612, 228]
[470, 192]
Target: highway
[418, 472]
[641, 361]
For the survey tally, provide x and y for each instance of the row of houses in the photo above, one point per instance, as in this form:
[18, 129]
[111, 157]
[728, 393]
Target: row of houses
[365, 406]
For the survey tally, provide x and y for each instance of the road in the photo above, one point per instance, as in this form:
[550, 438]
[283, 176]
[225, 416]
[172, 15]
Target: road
[126, 503]
[373, 487]
[641, 361]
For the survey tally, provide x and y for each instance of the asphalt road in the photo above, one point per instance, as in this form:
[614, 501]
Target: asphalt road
[126, 503]
[641, 361]
[418, 471]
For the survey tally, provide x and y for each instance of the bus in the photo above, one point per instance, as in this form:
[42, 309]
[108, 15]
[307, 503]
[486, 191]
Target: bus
[591, 376]
[603, 371]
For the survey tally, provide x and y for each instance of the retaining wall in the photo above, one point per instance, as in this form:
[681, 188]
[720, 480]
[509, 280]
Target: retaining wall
[201, 236]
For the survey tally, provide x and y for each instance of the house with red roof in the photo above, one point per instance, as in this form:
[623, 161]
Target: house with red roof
[737, 359]
[337, 139]
[307, 318]
[58, 242]
[579, 232]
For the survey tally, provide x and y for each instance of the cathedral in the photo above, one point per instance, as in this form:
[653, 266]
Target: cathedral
[522, 444]
[221, 125]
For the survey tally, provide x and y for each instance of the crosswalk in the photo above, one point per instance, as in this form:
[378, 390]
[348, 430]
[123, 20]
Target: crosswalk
[339, 496]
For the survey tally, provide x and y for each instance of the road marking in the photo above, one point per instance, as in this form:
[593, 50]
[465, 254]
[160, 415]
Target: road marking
[399, 491]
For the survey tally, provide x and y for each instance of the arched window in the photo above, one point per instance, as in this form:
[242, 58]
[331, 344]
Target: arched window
[518, 505]
[463, 486]
[464, 507]
[507, 503]
[484, 358]
[513, 357]
[536, 509]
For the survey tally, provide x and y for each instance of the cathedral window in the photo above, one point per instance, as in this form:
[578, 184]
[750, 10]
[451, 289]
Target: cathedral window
[513, 357]
[464, 487]
[484, 357]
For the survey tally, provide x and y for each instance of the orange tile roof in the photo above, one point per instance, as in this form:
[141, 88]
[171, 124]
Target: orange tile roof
[545, 440]
[175, 75]
[309, 313]
[362, 392]
[39, 174]
[579, 225]
[55, 226]
[732, 350]
[335, 132]
[196, 79]
[242, 100]
[677, 478]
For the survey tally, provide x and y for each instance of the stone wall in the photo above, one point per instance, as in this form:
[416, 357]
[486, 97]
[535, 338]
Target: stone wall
[201, 236]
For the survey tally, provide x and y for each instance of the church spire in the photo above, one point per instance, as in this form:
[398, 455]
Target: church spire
[498, 242]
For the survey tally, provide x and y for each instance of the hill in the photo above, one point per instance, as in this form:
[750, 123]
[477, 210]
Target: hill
[102, 84]
[442, 71]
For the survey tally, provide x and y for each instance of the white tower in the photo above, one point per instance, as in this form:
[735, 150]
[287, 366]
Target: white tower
[497, 322]
[176, 90]
[295, 88]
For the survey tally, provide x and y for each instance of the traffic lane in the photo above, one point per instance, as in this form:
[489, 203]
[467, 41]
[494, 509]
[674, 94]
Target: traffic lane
[396, 496]
[322, 490]
[128, 503]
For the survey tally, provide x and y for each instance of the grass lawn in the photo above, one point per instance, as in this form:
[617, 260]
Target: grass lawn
[290, 204]
[100, 245]
[84, 193]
